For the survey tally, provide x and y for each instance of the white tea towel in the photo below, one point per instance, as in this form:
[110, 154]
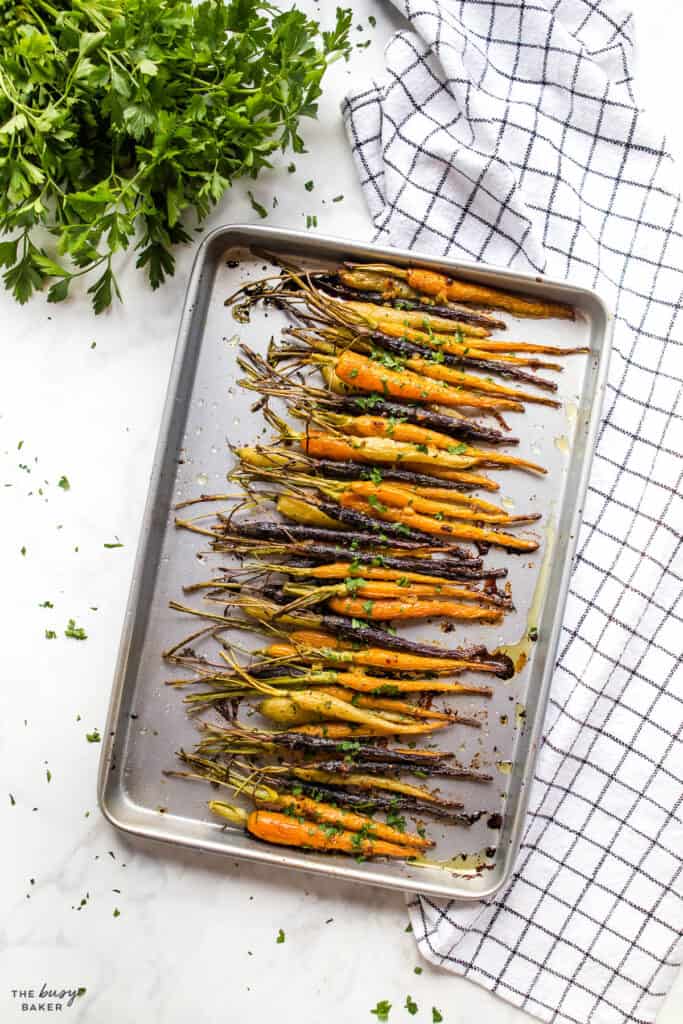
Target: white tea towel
[507, 131]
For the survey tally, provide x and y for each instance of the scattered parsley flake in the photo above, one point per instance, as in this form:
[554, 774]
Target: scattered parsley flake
[46, 604]
[256, 206]
[48, 775]
[75, 632]
[311, 220]
[337, 199]
[381, 1011]
[118, 544]
[12, 801]
[280, 937]
[411, 1006]
[94, 736]
[22, 550]
[117, 912]
[63, 482]
[417, 970]
[20, 446]
[533, 633]
[50, 634]
[291, 168]
[372, 20]
[436, 1016]
[309, 185]
[456, 449]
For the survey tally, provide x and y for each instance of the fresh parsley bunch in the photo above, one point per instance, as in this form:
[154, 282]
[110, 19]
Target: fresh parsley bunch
[120, 117]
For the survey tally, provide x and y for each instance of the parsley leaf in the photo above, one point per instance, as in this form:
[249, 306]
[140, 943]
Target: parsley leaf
[381, 1011]
[121, 122]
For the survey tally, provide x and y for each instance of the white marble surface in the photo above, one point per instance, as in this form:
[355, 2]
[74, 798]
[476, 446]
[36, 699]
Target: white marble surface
[196, 936]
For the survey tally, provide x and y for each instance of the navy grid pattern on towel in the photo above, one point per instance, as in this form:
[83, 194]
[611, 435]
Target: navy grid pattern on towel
[508, 131]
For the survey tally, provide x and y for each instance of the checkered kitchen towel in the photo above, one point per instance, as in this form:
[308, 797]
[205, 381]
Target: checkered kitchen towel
[508, 131]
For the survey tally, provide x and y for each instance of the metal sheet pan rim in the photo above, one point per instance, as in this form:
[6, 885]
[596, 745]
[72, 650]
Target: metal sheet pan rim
[476, 271]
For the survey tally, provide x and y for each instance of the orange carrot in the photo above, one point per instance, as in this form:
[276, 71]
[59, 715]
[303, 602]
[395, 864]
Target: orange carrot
[365, 374]
[314, 810]
[471, 479]
[478, 348]
[459, 379]
[454, 290]
[400, 707]
[326, 649]
[384, 450]
[285, 830]
[408, 433]
[399, 497]
[429, 524]
[408, 608]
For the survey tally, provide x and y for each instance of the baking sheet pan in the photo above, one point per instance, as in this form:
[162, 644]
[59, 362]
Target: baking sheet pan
[204, 408]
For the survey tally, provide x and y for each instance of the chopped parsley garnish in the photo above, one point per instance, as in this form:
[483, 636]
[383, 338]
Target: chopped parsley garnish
[309, 185]
[94, 736]
[280, 937]
[456, 449]
[256, 206]
[381, 1011]
[75, 632]
[374, 501]
[64, 483]
[436, 1016]
[411, 1006]
[46, 604]
[50, 634]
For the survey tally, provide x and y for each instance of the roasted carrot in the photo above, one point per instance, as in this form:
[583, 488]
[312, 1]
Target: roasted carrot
[384, 610]
[381, 316]
[329, 653]
[324, 706]
[362, 781]
[387, 583]
[359, 372]
[378, 426]
[402, 497]
[468, 349]
[386, 450]
[358, 680]
[315, 810]
[470, 382]
[389, 704]
[286, 830]
[450, 289]
[429, 524]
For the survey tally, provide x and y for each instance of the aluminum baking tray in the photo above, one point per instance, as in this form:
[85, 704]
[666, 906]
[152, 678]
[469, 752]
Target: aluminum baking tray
[204, 407]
